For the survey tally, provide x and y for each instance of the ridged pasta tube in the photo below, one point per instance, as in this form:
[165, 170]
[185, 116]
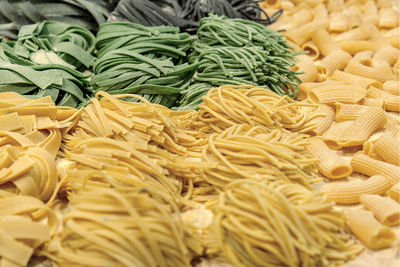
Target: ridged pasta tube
[355, 46]
[330, 164]
[392, 102]
[349, 78]
[388, 148]
[350, 192]
[385, 209]
[392, 87]
[373, 234]
[394, 192]
[330, 94]
[363, 164]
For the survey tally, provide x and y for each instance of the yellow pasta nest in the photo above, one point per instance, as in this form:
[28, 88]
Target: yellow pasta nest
[120, 227]
[228, 105]
[276, 224]
[242, 151]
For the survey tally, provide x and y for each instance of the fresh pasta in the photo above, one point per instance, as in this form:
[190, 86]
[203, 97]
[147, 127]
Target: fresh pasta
[346, 112]
[391, 102]
[388, 148]
[322, 122]
[355, 46]
[330, 164]
[330, 94]
[385, 209]
[336, 60]
[394, 192]
[350, 192]
[392, 87]
[373, 234]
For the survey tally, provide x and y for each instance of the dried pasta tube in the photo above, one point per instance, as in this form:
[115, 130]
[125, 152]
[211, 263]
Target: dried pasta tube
[391, 102]
[338, 21]
[366, 165]
[312, 50]
[394, 192]
[355, 46]
[301, 34]
[362, 65]
[385, 209]
[325, 43]
[392, 87]
[372, 102]
[373, 234]
[330, 94]
[394, 41]
[388, 18]
[324, 122]
[392, 129]
[370, 14]
[348, 112]
[349, 78]
[388, 148]
[352, 35]
[336, 60]
[350, 192]
[330, 164]
[305, 88]
[306, 64]
[386, 55]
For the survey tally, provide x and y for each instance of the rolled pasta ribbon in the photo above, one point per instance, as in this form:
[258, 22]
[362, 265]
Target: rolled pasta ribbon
[325, 43]
[349, 78]
[336, 60]
[392, 87]
[355, 46]
[348, 112]
[385, 209]
[371, 233]
[388, 148]
[362, 65]
[305, 64]
[350, 192]
[312, 50]
[391, 102]
[330, 164]
[342, 93]
[394, 192]
[366, 165]
[322, 122]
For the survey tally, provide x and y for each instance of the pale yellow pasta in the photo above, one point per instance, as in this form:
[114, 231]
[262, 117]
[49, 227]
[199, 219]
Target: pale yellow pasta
[375, 35]
[391, 102]
[355, 46]
[370, 13]
[301, 34]
[305, 88]
[385, 209]
[394, 41]
[300, 15]
[330, 164]
[295, 47]
[286, 5]
[305, 64]
[330, 94]
[348, 112]
[388, 18]
[386, 55]
[372, 102]
[335, 133]
[392, 87]
[352, 35]
[362, 65]
[372, 234]
[354, 79]
[338, 21]
[350, 192]
[312, 49]
[388, 148]
[392, 129]
[336, 60]
[394, 192]
[322, 122]
[335, 6]
[355, 20]
[325, 43]
[368, 166]
[368, 149]
[320, 13]
[311, 3]
[273, 3]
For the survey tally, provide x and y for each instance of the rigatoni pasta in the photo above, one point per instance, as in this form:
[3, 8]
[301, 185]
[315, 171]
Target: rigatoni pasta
[388, 148]
[349, 78]
[336, 60]
[355, 46]
[392, 87]
[330, 164]
[373, 234]
[322, 122]
[394, 192]
[323, 41]
[385, 209]
[346, 112]
[391, 102]
[330, 94]
[350, 192]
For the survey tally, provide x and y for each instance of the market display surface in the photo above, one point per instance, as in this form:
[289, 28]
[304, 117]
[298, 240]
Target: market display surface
[199, 133]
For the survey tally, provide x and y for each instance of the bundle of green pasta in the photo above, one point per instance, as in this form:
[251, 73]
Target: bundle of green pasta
[237, 51]
[243, 151]
[279, 224]
[228, 105]
[149, 61]
[55, 42]
[126, 226]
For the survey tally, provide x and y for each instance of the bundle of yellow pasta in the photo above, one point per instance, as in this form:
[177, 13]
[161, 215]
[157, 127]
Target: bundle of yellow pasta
[25, 224]
[243, 151]
[131, 226]
[276, 224]
[229, 105]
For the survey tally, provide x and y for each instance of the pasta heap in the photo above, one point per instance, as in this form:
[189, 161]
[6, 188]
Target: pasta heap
[277, 224]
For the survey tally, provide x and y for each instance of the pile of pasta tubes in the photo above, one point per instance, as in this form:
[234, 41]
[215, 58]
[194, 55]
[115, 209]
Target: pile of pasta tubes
[251, 178]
